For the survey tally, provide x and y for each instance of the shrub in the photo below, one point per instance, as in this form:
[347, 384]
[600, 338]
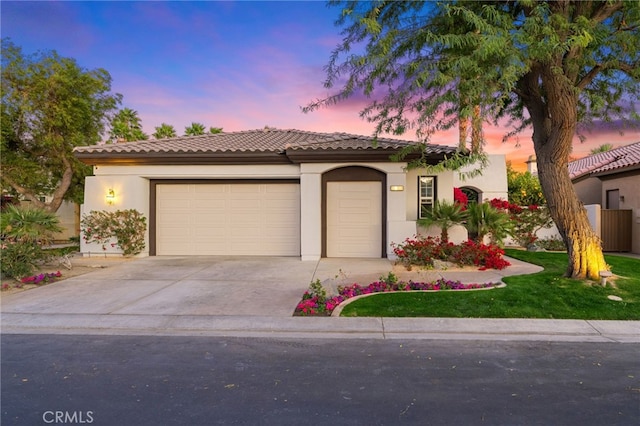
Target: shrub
[526, 221]
[20, 258]
[488, 218]
[444, 215]
[552, 244]
[24, 231]
[126, 226]
[422, 251]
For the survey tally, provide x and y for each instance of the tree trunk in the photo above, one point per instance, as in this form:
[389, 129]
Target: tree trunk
[552, 103]
[476, 130]
[583, 245]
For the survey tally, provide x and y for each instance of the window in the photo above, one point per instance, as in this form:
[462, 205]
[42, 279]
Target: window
[473, 196]
[426, 194]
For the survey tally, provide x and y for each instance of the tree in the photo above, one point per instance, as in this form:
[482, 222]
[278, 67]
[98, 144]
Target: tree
[542, 65]
[214, 130]
[164, 131]
[194, 129]
[524, 188]
[602, 148]
[126, 126]
[49, 106]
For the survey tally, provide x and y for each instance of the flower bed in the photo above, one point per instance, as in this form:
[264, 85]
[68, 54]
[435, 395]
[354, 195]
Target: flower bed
[44, 278]
[41, 278]
[422, 251]
[315, 303]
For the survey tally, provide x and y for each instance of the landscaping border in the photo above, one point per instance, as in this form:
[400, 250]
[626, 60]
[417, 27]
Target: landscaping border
[338, 309]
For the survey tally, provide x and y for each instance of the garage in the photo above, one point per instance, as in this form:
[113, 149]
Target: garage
[354, 219]
[222, 218]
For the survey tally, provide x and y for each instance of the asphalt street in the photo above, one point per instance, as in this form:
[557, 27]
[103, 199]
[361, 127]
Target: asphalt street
[179, 380]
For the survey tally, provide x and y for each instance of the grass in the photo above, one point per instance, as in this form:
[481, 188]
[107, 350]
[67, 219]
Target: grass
[542, 295]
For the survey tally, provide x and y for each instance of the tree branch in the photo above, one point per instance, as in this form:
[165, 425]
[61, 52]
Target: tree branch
[588, 78]
[23, 191]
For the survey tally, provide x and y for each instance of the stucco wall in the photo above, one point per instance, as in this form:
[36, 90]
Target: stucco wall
[492, 183]
[131, 185]
[131, 192]
[589, 190]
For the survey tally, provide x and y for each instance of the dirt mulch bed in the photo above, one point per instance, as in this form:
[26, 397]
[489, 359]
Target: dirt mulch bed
[79, 266]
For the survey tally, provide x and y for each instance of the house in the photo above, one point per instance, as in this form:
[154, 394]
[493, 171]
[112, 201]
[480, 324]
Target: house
[611, 179]
[268, 192]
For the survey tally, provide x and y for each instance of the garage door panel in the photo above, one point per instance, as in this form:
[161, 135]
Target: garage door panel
[354, 219]
[218, 219]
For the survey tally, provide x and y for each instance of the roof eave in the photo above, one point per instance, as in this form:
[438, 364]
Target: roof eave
[617, 170]
[231, 158]
[298, 156]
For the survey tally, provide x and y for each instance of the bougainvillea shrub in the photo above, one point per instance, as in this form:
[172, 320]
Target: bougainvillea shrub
[422, 251]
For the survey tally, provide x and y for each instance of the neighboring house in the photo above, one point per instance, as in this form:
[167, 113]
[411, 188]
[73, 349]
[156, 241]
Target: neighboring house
[612, 180]
[268, 192]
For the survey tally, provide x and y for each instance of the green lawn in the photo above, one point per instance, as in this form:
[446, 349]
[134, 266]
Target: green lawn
[543, 295]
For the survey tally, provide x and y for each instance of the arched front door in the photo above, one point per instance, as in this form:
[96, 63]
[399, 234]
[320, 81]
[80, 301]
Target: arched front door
[354, 213]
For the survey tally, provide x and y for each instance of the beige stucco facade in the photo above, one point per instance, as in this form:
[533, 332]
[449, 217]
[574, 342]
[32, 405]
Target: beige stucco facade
[131, 185]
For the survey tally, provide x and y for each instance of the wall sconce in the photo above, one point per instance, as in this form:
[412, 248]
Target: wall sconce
[111, 196]
[397, 187]
[622, 198]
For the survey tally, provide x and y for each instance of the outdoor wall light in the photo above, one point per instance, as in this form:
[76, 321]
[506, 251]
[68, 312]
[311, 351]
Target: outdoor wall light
[397, 187]
[111, 196]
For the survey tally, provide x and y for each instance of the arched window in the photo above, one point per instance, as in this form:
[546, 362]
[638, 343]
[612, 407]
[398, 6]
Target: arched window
[473, 195]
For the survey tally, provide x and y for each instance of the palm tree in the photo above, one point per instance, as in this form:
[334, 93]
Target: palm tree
[195, 129]
[126, 126]
[602, 148]
[483, 219]
[444, 215]
[29, 225]
[214, 130]
[164, 131]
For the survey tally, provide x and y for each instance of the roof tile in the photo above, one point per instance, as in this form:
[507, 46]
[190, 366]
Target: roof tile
[266, 140]
[624, 156]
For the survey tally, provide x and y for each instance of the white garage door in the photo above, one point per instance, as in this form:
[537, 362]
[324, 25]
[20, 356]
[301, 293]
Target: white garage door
[354, 219]
[228, 219]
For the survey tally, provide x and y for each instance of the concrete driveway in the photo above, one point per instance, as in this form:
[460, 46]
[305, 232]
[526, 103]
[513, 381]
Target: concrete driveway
[256, 296]
[194, 285]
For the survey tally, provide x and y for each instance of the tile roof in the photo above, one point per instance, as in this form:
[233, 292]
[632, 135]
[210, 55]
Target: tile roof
[606, 162]
[265, 141]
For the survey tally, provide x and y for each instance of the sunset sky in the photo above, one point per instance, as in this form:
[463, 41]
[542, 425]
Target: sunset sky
[236, 65]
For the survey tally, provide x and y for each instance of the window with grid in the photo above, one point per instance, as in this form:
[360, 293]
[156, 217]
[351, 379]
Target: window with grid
[426, 193]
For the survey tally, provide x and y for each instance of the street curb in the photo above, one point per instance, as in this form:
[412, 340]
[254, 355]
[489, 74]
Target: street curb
[326, 327]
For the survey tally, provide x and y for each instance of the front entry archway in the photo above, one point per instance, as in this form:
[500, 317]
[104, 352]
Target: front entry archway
[354, 213]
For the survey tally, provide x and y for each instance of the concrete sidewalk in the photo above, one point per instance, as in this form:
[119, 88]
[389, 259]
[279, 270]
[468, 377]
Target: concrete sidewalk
[256, 296]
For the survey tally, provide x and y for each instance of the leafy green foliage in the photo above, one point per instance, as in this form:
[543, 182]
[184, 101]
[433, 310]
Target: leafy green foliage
[524, 188]
[483, 219]
[126, 226]
[164, 131]
[602, 148]
[444, 215]
[24, 231]
[29, 224]
[49, 106]
[126, 126]
[194, 129]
